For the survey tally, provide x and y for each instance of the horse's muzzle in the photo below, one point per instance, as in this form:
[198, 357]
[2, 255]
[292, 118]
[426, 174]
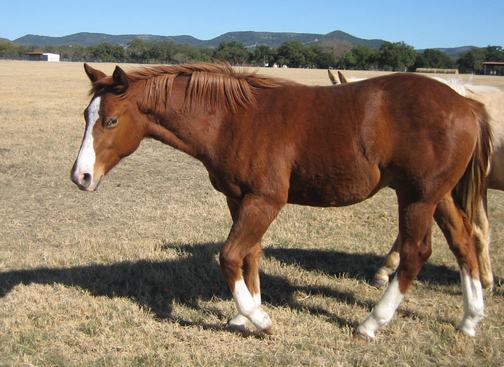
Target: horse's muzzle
[84, 181]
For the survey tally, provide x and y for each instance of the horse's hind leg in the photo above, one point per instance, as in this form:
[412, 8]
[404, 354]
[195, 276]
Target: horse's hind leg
[457, 231]
[381, 277]
[482, 239]
[242, 250]
[415, 222]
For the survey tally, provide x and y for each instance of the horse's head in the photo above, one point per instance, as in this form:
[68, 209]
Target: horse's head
[114, 128]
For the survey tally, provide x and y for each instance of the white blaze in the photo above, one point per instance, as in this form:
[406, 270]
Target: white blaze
[87, 157]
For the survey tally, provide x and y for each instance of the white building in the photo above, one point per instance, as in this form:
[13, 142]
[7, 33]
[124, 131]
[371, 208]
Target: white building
[42, 56]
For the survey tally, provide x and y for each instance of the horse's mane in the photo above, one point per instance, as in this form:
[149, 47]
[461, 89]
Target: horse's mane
[210, 85]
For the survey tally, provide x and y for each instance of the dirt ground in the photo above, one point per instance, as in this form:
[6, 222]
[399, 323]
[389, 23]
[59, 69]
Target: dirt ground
[128, 276]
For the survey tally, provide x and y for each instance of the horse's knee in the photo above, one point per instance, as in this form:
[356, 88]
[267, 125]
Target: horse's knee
[413, 256]
[418, 253]
[425, 252]
[230, 264]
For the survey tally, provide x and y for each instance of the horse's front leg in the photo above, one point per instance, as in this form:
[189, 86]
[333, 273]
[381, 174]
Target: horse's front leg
[250, 271]
[251, 277]
[251, 218]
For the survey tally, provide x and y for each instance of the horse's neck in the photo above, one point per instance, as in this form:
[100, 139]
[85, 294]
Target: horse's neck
[192, 133]
[164, 135]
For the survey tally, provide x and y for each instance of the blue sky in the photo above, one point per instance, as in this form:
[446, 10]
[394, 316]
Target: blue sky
[422, 24]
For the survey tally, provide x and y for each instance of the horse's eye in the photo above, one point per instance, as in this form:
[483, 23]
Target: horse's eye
[110, 122]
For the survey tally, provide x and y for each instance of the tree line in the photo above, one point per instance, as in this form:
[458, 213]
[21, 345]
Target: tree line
[400, 56]
[397, 56]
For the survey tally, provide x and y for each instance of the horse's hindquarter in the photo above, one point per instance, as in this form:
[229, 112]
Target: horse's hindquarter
[493, 99]
[402, 131]
[435, 132]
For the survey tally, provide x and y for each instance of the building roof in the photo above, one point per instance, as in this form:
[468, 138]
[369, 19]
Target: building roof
[38, 53]
[493, 62]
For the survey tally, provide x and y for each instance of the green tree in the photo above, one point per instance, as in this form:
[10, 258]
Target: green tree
[233, 52]
[11, 50]
[292, 54]
[106, 52]
[359, 57]
[263, 55]
[396, 56]
[74, 53]
[137, 50]
[195, 54]
[494, 53]
[431, 58]
[470, 62]
[319, 57]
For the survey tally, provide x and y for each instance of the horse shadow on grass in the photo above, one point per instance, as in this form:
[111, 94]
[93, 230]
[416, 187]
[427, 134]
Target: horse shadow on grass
[195, 276]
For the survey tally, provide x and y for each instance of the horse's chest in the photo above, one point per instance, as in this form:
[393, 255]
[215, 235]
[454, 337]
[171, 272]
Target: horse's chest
[223, 184]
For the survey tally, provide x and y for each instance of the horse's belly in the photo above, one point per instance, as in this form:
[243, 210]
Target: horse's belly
[327, 192]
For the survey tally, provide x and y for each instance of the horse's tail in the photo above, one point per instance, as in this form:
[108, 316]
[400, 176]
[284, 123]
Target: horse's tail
[469, 190]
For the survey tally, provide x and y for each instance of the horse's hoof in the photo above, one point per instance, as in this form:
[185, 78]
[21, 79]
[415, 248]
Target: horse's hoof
[487, 285]
[237, 324]
[238, 321]
[467, 330]
[241, 328]
[261, 320]
[360, 336]
[268, 330]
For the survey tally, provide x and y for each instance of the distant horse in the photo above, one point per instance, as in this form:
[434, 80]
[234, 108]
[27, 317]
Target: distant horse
[266, 142]
[493, 99]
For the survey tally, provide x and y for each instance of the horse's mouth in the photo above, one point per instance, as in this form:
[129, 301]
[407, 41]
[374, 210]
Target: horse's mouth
[90, 188]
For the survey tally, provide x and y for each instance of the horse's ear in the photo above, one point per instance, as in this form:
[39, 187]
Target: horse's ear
[332, 77]
[342, 78]
[93, 74]
[120, 78]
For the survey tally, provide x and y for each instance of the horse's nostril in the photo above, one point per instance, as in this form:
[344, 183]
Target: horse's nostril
[86, 179]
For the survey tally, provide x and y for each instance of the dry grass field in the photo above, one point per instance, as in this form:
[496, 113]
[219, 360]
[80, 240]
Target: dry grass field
[128, 276]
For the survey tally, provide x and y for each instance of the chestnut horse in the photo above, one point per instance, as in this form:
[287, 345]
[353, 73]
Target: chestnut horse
[493, 99]
[267, 142]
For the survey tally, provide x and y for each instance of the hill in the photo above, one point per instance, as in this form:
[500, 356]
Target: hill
[336, 40]
[248, 38]
[89, 39]
[456, 52]
[348, 38]
[272, 39]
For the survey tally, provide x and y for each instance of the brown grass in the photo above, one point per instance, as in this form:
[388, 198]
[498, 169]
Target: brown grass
[128, 275]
